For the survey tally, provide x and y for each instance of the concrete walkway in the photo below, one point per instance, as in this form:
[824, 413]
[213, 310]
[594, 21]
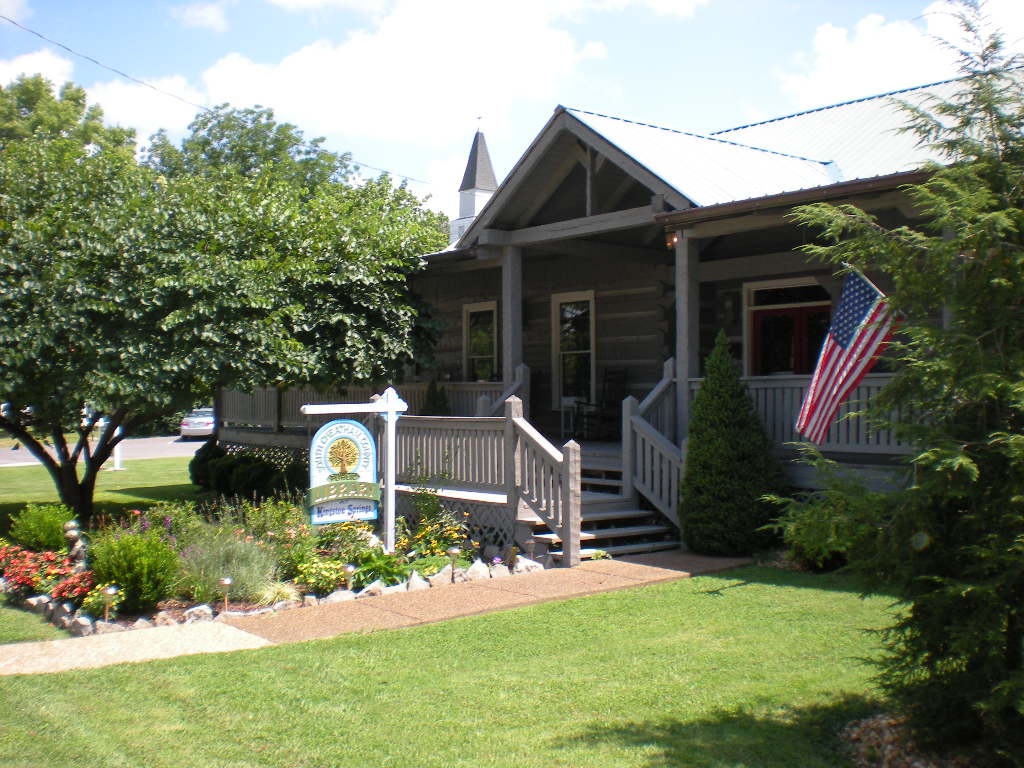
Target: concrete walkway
[368, 615]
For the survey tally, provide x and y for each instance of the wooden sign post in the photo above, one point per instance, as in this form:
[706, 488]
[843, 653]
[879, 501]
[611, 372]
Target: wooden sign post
[390, 405]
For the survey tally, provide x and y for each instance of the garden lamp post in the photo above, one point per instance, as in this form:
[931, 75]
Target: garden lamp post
[225, 584]
[453, 553]
[108, 598]
[349, 570]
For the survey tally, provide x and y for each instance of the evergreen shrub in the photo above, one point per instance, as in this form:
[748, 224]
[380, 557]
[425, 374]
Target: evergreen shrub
[199, 467]
[729, 466]
[142, 564]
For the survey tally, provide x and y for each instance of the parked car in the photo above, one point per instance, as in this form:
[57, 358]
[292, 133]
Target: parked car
[198, 423]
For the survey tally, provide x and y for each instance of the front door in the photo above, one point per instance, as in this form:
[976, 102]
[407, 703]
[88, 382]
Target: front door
[787, 341]
[572, 348]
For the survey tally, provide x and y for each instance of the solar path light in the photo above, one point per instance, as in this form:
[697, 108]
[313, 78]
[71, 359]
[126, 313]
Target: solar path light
[225, 584]
[453, 553]
[108, 598]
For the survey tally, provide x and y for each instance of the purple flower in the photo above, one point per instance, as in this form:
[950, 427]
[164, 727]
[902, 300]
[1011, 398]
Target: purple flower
[495, 560]
[167, 523]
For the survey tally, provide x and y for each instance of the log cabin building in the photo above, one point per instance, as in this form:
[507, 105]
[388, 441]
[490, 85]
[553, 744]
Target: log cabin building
[590, 284]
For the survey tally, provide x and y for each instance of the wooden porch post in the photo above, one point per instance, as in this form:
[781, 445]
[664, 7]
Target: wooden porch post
[629, 406]
[572, 511]
[687, 327]
[513, 466]
[511, 312]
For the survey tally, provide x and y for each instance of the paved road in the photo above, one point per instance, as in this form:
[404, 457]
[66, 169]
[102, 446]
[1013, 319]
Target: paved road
[133, 448]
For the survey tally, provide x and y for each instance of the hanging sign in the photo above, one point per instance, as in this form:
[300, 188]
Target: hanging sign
[342, 474]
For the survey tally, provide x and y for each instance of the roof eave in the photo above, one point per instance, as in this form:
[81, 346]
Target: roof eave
[691, 216]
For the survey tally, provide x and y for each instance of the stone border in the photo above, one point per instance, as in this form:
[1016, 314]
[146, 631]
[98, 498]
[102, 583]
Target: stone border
[65, 616]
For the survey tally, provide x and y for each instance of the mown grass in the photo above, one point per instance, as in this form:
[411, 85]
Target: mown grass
[19, 626]
[140, 483]
[755, 667]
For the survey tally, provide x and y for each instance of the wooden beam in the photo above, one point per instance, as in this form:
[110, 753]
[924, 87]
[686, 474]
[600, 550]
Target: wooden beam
[571, 228]
[762, 265]
[511, 312]
[612, 250]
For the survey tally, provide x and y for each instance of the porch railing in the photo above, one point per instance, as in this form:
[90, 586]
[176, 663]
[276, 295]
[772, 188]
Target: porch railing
[463, 451]
[544, 479]
[778, 400]
[652, 463]
[520, 387]
[277, 409]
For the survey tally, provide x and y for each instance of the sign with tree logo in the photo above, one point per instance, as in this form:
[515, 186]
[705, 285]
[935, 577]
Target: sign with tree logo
[342, 474]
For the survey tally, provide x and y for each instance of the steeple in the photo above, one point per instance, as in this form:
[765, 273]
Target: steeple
[478, 184]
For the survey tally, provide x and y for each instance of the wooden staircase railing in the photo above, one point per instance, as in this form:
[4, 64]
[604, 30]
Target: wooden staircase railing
[544, 479]
[652, 463]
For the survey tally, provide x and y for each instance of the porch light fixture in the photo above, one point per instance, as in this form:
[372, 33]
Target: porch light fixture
[349, 570]
[225, 583]
[671, 239]
[108, 598]
[453, 553]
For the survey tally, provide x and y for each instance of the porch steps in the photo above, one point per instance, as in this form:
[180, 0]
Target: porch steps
[601, 469]
[613, 524]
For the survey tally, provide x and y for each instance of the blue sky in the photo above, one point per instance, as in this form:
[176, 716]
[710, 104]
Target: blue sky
[400, 83]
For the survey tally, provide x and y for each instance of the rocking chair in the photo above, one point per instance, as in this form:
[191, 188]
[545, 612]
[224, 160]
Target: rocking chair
[602, 420]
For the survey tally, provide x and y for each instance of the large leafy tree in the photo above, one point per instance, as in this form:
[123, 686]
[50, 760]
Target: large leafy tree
[953, 543]
[126, 293]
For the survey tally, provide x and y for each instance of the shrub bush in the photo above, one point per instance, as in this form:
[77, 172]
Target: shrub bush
[40, 527]
[729, 466]
[253, 475]
[199, 467]
[217, 551]
[142, 564]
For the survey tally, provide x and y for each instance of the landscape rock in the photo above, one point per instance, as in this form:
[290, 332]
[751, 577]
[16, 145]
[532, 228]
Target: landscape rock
[441, 578]
[500, 571]
[285, 605]
[526, 565]
[199, 613]
[417, 582]
[38, 603]
[142, 624]
[403, 587]
[373, 589]
[64, 622]
[309, 601]
[339, 596]
[477, 571]
[81, 626]
[64, 610]
[106, 627]
[164, 619]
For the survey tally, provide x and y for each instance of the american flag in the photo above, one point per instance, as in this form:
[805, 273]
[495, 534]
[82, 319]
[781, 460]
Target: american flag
[860, 329]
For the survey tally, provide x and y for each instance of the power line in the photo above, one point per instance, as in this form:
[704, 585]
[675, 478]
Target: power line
[201, 107]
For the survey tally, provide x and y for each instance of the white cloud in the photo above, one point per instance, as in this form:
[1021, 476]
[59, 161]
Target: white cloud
[880, 55]
[136, 106]
[416, 72]
[15, 9]
[203, 15]
[45, 62]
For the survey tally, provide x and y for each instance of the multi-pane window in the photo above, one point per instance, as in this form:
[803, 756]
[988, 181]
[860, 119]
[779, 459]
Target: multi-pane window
[573, 330]
[480, 337]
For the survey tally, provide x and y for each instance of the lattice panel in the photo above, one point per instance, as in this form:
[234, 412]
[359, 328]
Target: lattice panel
[490, 524]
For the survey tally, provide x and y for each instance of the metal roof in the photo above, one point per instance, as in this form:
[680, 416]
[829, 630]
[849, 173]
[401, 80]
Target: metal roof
[708, 170]
[862, 138]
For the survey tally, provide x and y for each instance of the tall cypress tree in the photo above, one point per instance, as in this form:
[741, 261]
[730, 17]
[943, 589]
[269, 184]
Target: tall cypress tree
[729, 465]
[952, 545]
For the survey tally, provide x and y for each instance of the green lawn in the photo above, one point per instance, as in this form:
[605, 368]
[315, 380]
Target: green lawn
[20, 626]
[755, 667]
[141, 482]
